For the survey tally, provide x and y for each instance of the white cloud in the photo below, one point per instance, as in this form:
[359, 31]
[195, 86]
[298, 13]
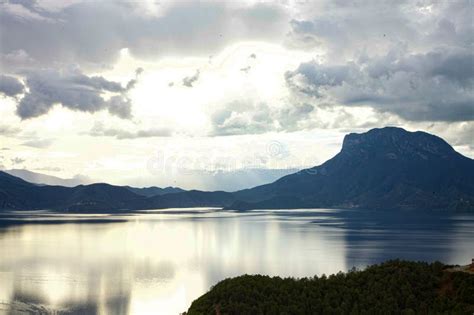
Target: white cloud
[246, 117]
[8, 130]
[100, 131]
[38, 143]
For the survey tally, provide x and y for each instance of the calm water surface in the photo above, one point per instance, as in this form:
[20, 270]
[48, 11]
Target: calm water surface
[158, 262]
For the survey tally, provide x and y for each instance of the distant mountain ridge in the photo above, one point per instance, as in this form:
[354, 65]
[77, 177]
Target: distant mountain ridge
[42, 179]
[387, 168]
[17, 194]
[154, 191]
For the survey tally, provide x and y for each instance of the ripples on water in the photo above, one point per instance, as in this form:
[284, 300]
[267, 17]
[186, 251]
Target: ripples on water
[157, 262]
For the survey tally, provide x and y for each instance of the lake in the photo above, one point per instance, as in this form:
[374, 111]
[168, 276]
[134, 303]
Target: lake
[158, 262]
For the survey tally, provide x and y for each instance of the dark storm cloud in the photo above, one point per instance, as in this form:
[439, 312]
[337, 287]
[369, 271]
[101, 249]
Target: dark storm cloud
[413, 59]
[10, 86]
[436, 86]
[73, 90]
[93, 33]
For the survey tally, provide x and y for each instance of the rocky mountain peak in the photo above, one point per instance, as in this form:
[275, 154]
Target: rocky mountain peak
[393, 142]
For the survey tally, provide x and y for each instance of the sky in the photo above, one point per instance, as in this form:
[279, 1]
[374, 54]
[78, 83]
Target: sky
[224, 94]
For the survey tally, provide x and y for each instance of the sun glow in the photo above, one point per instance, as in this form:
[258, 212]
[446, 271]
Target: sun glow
[246, 70]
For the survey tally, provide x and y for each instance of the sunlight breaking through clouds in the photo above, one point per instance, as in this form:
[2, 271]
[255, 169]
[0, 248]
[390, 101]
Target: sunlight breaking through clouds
[139, 74]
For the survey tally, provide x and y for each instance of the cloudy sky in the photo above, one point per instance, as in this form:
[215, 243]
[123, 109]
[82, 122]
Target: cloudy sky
[186, 93]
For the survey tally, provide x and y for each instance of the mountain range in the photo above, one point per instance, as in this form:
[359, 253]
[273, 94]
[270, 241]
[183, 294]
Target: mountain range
[154, 191]
[42, 179]
[386, 168]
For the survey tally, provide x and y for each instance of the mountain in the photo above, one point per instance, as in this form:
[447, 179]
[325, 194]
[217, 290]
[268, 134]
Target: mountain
[154, 191]
[42, 179]
[17, 194]
[387, 168]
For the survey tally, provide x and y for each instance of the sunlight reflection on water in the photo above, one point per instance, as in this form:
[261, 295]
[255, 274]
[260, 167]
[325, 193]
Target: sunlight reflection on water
[157, 262]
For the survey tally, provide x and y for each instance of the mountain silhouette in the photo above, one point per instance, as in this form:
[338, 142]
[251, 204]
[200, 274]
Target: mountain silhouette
[154, 191]
[387, 168]
[42, 179]
[17, 194]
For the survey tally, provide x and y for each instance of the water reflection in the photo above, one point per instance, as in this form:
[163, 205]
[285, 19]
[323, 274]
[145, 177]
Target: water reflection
[159, 261]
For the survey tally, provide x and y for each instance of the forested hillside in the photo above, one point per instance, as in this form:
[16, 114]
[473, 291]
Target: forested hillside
[394, 287]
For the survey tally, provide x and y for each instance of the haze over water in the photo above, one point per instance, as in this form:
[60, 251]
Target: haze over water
[158, 262]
